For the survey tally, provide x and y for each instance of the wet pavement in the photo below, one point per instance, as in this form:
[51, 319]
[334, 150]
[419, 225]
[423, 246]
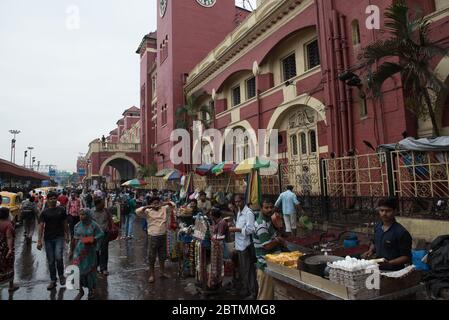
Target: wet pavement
[128, 279]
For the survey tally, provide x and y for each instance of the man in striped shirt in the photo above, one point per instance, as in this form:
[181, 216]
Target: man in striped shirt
[266, 241]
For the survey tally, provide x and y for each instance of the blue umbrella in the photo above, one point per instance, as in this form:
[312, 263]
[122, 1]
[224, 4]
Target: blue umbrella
[172, 176]
[204, 169]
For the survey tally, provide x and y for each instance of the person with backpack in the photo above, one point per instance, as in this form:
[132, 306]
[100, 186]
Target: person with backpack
[130, 216]
[29, 214]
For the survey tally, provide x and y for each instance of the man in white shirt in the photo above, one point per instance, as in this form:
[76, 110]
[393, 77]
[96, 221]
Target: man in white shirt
[244, 246]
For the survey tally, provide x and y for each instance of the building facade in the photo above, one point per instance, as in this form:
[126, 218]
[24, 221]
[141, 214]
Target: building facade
[277, 68]
[117, 159]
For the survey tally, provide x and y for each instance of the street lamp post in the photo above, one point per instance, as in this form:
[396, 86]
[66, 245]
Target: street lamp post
[25, 158]
[31, 149]
[13, 145]
[34, 160]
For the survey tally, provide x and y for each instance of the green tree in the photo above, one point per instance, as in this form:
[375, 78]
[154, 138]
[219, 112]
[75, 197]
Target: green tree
[189, 112]
[409, 52]
[147, 171]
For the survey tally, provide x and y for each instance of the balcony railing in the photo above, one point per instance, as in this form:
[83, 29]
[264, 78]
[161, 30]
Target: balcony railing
[114, 147]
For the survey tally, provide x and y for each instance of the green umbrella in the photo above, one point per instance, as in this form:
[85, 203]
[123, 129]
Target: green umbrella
[223, 167]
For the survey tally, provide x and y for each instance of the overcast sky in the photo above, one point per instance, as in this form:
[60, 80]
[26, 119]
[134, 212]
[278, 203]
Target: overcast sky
[64, 81]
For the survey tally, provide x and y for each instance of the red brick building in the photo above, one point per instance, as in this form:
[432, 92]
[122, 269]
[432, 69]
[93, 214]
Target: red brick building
[278, 68]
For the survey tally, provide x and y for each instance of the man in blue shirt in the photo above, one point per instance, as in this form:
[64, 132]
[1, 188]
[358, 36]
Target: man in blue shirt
[290, 205]
[392, 241]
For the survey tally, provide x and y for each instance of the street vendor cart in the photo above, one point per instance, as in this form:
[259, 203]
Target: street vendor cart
[313, 282]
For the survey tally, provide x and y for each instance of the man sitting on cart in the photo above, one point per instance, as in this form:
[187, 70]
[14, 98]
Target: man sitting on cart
[392, 241]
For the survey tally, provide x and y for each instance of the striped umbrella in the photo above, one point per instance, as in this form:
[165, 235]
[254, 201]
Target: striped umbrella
[253, 194]
[248, 165]
[223, 167]
[173, 175]
[204, 169]
[163, 172]
[135, 183]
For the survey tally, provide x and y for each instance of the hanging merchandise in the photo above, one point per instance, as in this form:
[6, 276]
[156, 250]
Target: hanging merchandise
[172, 241]
[216, 265]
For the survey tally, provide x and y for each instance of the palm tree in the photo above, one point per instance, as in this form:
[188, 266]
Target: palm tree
[147, 171]
[189, 111]
[410, 51]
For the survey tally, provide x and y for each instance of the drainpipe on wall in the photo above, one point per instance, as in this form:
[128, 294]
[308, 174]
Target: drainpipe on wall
[335, 121]
[323, 36]
[348, 93]
[341, 89]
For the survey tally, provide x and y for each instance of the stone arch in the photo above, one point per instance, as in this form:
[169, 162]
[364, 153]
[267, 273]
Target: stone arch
[115, 161]
[282, 40]
[425, 126]
[303, 100]
[238, 72]
[442, 72]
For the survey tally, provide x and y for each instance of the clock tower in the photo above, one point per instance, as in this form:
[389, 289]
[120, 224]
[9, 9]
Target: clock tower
[187, 30]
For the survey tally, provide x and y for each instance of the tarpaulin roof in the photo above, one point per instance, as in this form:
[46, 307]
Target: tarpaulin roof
[12, 169]
[423, 144]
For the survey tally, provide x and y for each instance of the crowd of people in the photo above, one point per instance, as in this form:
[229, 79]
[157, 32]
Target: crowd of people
[224, 231]
[86, 221]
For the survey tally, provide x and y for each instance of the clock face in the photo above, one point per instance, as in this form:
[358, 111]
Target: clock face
[207, 3]
[162, 7]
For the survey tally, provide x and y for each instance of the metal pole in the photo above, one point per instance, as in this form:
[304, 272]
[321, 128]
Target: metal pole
[13, 145]
[31, 149]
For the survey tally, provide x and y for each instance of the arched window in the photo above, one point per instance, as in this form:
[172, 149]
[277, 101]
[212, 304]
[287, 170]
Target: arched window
[241, 148]
[303, 143]
[246, 148]
[312, 141]
[207, 153]
[294, 145]
[355, 32]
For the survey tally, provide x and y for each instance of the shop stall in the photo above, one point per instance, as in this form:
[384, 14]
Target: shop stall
[317, 277]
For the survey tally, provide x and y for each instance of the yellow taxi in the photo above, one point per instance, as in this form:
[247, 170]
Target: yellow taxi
[12, 202]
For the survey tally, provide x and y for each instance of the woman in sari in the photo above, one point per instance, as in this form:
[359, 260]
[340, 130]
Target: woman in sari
[87, 237]
[7, 250]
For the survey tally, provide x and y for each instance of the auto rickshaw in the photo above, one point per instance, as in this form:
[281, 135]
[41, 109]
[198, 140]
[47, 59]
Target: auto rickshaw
[12, 202]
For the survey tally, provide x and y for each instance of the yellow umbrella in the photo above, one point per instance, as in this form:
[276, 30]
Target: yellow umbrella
[250, 164]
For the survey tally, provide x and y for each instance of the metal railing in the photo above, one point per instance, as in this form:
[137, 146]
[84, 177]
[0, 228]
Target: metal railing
[421, 174]
[360, 175]
[119, 147]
